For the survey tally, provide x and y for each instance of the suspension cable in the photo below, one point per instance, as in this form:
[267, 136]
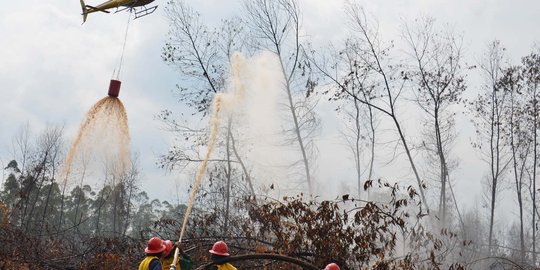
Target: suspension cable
[123, 48]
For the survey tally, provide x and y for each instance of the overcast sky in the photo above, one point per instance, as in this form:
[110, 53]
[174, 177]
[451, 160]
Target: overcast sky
[52, 68]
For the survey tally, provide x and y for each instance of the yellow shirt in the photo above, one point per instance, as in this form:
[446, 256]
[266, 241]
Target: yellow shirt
[226, 266]
[166, 264]
[145, 264]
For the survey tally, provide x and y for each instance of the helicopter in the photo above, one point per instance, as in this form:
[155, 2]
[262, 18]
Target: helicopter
[138, 6]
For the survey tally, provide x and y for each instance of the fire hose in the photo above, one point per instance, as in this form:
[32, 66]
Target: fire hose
[260, 256]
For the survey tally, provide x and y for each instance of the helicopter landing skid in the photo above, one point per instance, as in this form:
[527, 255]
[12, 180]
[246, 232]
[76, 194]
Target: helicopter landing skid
[143, 11]
[138, 11]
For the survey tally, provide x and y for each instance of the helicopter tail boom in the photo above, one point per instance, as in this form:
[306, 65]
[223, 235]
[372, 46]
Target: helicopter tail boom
[89, 9]
[84, 10]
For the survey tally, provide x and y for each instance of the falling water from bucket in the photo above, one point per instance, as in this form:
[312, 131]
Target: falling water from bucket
[104, 132]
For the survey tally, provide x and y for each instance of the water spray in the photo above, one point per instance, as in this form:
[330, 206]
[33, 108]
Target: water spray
[107, 114]
[214, 127]
[229, 102]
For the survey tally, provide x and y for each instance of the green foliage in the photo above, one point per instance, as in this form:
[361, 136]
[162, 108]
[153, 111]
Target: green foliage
[78, 228]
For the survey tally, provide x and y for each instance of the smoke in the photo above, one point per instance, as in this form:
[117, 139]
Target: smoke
[255, 102]
[251, 103]
[250, 100]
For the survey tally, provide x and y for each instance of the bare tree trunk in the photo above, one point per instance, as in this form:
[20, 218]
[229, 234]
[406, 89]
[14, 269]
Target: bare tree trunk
[62, 203]
[296, 124]
[357, 147]
[372, 157]
[43, 217]
[458, 212]
[378, 67]
[411, 161]
[79, 196]
[101, 201]
[277, 21]
[494, 139]
[519, 188]
[490, 109]
[21, 145]
[495, 161]
[444, 177]
[440, 85]
[535, 163]
[115, 194]
[372, 141]
[128, 208]
[228, 174]
[521, 230]
[244, 169]
[517, 178]
[50, 191]
[36, 198]
[55, 141]
[131, 188]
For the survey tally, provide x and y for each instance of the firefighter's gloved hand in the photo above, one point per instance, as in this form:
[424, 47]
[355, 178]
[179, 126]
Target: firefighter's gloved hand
[179, 247]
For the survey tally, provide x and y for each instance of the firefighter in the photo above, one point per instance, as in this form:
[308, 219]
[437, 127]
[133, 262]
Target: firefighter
[332, 266]
[183, 263]
[153, 252]
[218, 252]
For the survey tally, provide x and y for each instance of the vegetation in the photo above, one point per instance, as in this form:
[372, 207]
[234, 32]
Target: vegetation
[94, 218]
[93, 233]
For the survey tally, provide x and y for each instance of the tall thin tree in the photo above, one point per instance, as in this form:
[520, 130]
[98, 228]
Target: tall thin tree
[438, 79]
[489, 109]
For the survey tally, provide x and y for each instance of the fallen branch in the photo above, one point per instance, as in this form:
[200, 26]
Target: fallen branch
[277, 257]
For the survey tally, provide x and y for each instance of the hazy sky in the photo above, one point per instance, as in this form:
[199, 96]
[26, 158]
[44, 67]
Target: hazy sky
[52, 68]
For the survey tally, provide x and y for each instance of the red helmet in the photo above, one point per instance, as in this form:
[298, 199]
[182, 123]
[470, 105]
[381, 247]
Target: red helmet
[168, 248]
[332, 266]
[220, 248]
[155, 245]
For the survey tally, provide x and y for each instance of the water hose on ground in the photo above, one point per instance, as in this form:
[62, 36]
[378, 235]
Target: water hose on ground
[262, 256]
